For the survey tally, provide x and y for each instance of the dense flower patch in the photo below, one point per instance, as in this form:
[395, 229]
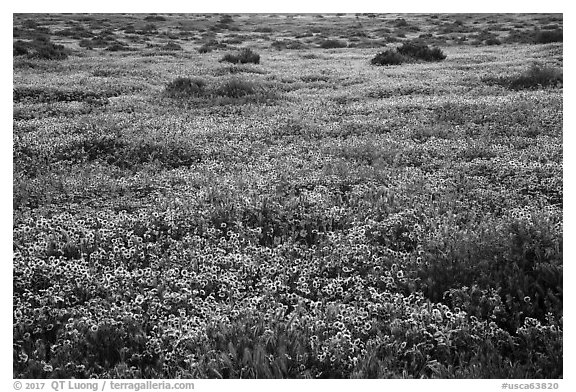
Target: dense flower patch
[405, 223]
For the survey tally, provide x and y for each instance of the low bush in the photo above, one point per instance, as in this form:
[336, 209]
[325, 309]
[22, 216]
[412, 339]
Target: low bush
[291, 44]
[537, 76]
[236, 88]
[76, 32]
[20, 48]
[420, 51]
[263, 30]
[117, 47]
[155, 18]
[244, 56]
[492, 41]
[172, 46]
[47, 50]
[388, 57]
[549, 36]
[205, 49]
[210, 45]
[408, 52]
[230, 90]
[332, 44]
[185, 87]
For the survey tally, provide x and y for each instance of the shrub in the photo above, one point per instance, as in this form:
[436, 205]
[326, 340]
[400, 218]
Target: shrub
[185, 87]
[76, 32]
[536, 77]
[155, 18]
[492, 41]
[46, 50]
[400, 22]
[408, 52]
[236, 88]
[205, 49]
[225, 19]
[291, 44]
[172, 46]
[421, 52]
[117, 46]
[332, 44]
[389, 57]
[263, 29]
[245, 56]
[521, 36]
[548, 36]
[97, 42]
[20, 48]
[210, 45]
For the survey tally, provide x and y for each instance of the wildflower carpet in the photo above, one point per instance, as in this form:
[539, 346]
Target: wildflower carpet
[251, 196]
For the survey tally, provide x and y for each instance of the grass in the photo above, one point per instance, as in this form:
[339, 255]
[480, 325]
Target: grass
[312, 216]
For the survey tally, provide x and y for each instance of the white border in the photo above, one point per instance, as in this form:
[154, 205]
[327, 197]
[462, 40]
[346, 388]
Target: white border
[294, 6]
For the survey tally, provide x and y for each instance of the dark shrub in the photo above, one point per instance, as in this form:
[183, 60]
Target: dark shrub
[20, 48]
[30, 24]
[400, 22]
[150, 28]
[492, 41]
[117, 47]
[210, 45]
[291, 44]
[245, 56]
[548, 36]
[332, 44]
[155, 18]
[389, 57]
[521, 36]
[86, 43]
[205, 49]
[236, 88]
[97, 42]
[185, 88]
[76, 32]
[44, 49]
[225, 19]
[536, 77]
[172, 46]
[420, 51]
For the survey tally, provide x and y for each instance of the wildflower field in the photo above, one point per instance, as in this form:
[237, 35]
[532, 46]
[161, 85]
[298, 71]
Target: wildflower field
[287, 196]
